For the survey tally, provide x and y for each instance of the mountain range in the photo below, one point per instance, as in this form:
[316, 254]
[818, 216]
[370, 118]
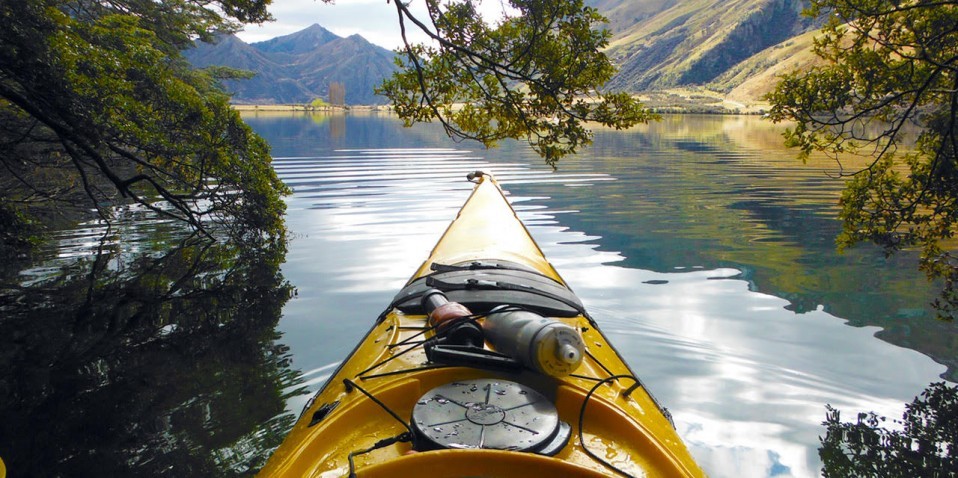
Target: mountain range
[735, 47]
[298, 68]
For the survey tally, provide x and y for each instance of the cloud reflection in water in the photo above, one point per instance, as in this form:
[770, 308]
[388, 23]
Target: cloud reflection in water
[745, 379]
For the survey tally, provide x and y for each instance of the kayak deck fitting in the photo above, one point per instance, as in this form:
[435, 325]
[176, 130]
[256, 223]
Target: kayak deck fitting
[521, 383]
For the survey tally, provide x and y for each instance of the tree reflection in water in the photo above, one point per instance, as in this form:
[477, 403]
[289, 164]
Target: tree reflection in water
[159, 358]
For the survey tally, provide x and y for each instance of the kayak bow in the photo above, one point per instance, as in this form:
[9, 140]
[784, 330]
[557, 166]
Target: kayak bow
[485, 364]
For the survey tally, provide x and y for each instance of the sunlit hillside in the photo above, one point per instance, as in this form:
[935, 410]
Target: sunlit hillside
[733, 46]
[757, 75]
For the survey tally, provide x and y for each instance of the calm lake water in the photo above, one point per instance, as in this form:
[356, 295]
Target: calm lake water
[704, 249]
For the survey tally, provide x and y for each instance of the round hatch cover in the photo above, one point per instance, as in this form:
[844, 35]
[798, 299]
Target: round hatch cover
[486, 413]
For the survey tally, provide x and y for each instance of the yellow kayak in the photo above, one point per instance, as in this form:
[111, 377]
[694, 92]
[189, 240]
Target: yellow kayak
[485, 364]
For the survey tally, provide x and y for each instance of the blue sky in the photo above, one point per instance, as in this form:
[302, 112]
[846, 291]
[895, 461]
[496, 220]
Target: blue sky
[375, 20]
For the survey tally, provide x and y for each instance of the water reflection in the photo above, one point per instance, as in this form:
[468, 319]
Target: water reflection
[742, 203]
[704, 251]
[745, 377]
[136, 350]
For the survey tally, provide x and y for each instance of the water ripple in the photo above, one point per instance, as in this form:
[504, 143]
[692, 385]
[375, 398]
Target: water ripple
[356, 182]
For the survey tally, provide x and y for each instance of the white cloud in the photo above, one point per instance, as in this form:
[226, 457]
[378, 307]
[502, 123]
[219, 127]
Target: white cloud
[375, 20]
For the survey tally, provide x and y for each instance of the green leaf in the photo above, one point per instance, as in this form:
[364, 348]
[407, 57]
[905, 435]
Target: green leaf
[888, 75]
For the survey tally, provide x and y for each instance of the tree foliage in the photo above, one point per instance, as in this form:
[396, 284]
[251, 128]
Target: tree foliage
[533, 75]
[924, 444]
[890, 67]
[337, 93]
[97, 108]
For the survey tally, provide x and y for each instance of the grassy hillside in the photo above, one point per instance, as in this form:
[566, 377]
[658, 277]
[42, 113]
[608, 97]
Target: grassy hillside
[757, 75]
[622, 14]
[733, 46]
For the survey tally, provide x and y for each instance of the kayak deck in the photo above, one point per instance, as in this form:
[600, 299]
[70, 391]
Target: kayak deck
[363, 419]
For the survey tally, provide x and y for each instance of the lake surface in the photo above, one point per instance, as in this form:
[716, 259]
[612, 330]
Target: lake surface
[703, 248]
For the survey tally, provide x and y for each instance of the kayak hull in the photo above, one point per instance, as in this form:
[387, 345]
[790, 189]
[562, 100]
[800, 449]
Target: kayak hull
[361, 421]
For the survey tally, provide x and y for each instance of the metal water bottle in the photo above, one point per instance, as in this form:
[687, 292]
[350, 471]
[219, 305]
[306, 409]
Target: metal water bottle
[547, 345]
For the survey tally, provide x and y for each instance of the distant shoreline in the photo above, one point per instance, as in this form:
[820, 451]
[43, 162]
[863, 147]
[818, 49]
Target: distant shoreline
[675, 101]
[313, 109]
